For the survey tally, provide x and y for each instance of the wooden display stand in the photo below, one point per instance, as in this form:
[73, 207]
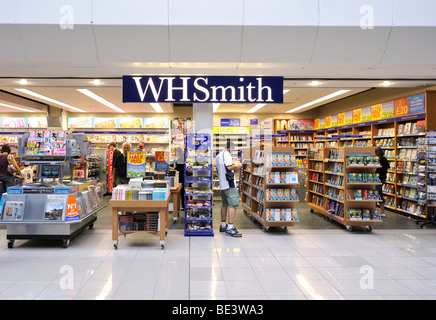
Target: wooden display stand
[320, 177]
[160, 206]
[251, 174]
[300, 140]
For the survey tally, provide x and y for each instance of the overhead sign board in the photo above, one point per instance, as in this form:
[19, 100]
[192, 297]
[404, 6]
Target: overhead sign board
[202, 89]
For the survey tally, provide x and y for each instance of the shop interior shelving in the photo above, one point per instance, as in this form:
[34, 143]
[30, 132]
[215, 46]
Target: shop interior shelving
[198, 202]
[331, 193]
[262, 198]
[300, 140]
[397, 137]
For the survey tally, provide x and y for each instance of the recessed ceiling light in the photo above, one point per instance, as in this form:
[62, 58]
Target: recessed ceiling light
[92, 95]
[14, 107]
[332, 95]
[157, 107]
[315, 83]
[257, 107]
[40, 96]
[23, 82]
[386, 83]
[97, 82]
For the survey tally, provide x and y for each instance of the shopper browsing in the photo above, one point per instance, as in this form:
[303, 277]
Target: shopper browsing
[6, 176]
[229, 193]
[120, 166]
[179, 165]
[140, 147]
[113, 146]
[382, 172]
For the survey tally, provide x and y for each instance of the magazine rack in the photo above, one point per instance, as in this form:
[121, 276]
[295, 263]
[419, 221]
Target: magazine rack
[54, 211]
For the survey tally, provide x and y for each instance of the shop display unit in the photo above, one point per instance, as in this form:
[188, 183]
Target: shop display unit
[342, 185]
[198, 185]
[398, 138]
[140, 206]
[154, 139]
[57, 210]
[427, 178]
[299, 139]
[268, 187]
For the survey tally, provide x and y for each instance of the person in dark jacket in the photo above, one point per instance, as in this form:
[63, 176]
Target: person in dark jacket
[382, 172]
[179, 165]
[8, 179]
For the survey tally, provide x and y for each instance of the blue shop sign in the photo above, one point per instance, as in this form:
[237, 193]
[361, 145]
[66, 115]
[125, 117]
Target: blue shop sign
[202, 89]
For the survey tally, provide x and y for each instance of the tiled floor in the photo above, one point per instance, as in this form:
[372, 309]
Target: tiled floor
[300, 264]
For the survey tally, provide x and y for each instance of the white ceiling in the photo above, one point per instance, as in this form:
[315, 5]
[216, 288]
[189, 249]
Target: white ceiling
[65, 90]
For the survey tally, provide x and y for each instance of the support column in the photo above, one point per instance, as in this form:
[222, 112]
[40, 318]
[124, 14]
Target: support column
[203, 118]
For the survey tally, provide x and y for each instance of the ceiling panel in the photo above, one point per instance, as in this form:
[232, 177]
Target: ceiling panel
[278, 44]
[211, 44]
[71, 96]
[292, 99]
[50, 45]
[353, 45]
[135, 44]
[11, 54]
[411, 46]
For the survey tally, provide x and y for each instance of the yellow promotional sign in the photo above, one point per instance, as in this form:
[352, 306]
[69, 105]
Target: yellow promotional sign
[328, 122]
[341, 119]
[376, 112]
[357, 116]
[231, 130]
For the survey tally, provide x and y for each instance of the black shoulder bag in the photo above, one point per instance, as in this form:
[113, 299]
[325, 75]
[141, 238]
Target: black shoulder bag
[230, 176]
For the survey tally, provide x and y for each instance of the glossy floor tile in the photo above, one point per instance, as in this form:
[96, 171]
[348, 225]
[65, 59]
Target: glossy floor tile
[313, 264]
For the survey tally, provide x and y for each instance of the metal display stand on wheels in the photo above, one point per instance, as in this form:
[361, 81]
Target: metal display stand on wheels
[53, 211]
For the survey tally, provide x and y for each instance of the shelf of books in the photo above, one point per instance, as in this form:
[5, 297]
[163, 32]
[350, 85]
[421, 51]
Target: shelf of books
[198, 185]
[342, 185]
[51, 208]
[268, 187]
[299, 139]
[399, 140]
[426, 178]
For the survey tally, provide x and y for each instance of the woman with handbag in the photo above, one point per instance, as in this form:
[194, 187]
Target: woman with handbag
[8, 166]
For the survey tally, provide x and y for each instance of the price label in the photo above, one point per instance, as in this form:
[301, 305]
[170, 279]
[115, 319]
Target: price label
[401, 107]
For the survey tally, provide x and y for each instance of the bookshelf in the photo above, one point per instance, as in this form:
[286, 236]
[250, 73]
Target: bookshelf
[268, 180]
[398, 138]
[299, 139]
[341, 185]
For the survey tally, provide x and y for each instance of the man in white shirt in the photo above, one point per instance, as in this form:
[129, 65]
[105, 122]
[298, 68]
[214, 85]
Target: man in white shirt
[229, 192]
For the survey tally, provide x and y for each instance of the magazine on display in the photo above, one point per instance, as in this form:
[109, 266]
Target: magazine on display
[87, 201]
[13, 210]
[55, 207]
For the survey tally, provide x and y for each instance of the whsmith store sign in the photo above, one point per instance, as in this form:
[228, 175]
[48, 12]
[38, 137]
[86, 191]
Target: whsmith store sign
[202, 89]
